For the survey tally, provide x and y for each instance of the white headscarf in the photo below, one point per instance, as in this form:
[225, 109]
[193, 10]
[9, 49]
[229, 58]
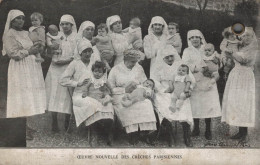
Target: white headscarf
[111, 20]
[82, 27]
[193, 33]
[82, 45]
[166, 51]
[158, 20]
[70, 19]
[11, 16]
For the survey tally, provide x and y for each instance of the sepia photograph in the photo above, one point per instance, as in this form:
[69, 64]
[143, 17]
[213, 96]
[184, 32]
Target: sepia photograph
[128, 74]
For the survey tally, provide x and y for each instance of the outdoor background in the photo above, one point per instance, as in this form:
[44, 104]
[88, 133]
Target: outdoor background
[210, 16]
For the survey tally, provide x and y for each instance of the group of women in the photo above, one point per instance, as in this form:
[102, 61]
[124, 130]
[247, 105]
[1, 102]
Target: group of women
[61, 92]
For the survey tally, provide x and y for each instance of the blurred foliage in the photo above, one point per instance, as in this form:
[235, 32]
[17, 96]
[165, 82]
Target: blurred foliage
[247, 12]
[212, 23]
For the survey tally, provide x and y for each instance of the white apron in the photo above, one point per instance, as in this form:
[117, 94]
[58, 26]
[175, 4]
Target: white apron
[26, 91]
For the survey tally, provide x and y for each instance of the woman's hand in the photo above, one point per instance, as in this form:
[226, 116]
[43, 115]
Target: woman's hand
[229, 53]
[131, 87]
[216, 60]
[168, 90]
[33, 50]
[55, 46]
[84, 82]
[187, 93]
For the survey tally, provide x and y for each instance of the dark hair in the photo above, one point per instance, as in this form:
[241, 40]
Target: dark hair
[102, 25]
[176, 25]
[227, 33]
[186, 66]
[152, 81]
[37, 15]
[99, 65]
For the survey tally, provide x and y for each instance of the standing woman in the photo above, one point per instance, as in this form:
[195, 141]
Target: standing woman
[119, 39]
[86, 33]
[239, 96]
[204, 101]
[123, 79]
[155, 40]
[166, 65]
[26, 90]
[59, 97]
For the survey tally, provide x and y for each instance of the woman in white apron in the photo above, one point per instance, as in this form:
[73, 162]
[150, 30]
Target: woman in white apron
[204, 101]
[86, 33]
[58, 97]
[155, 40]
[119, 39]
[123, 79]
[26, 90]
[166, 65]
[239, 96]
[87, 110]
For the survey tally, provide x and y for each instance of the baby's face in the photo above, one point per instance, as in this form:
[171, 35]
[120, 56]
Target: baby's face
[53, 32]
[98, 73]
[102, 32]
[172, 29]
[133, 25]
[182, 71]
[209, 50]
[36, 21]
[148, 84]
[231, 37]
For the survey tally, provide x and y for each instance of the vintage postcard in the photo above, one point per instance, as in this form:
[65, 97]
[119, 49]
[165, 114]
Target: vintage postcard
[129, 82]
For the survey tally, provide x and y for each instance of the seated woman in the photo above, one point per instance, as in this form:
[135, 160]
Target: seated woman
[123, 79]
[167, 64]
[88, 109]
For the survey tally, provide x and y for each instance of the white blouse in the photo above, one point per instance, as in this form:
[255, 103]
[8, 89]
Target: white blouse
[120, 76]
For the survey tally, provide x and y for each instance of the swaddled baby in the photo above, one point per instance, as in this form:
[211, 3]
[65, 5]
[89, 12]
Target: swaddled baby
[141, 93]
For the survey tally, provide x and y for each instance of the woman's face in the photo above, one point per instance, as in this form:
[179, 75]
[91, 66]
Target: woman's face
[157, 28]
[66, 27]
[130, 63]
[17, 23]
[247, 38]
[86, 54]
[195, 41]
[117, 27]
[88, 32]
[169, 59]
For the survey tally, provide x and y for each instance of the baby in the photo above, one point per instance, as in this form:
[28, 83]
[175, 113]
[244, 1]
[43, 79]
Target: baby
[213, 62]
[104, 45]
[182, 88]
[174, 37]
[134, 34]
[53, 38]
[37, 34]
[141, 93]
[97, 87]
[228, 46]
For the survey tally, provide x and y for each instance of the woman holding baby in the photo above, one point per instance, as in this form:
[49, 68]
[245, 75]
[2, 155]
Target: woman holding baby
[204, 98]
[167, 65]
[88, 110]
[26, 90]
[239, 97]
[124, 79]
[59, 97]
